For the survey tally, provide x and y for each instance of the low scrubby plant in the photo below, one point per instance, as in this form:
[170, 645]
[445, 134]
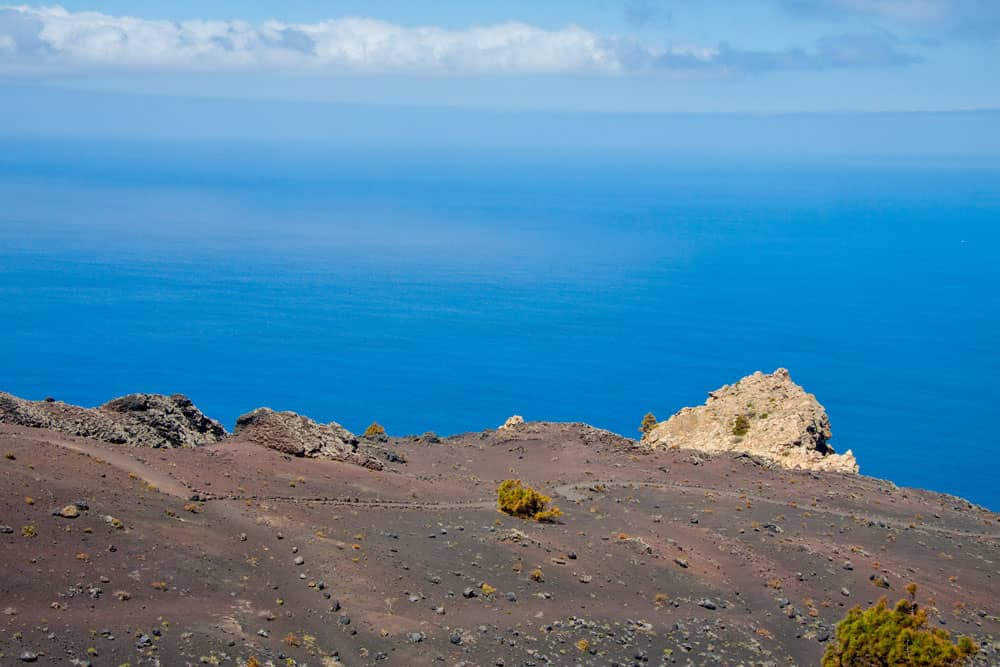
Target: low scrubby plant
[374, 430]
[899, 636]
[524, 502]
[648, 423]
[741, 425]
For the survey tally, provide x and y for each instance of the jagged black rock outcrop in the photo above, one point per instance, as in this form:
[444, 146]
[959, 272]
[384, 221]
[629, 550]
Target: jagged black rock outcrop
[136, 420]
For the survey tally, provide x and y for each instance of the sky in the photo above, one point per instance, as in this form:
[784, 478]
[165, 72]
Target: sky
[642, 57]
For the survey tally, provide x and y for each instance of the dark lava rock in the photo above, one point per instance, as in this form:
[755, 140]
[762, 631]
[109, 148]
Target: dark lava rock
[137, 420]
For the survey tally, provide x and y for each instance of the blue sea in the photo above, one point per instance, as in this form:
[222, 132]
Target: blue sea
[448, 290]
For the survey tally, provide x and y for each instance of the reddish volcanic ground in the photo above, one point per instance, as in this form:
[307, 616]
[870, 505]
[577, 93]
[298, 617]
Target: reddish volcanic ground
[231, 551]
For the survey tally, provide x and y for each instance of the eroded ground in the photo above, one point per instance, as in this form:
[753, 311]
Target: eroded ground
[231, 551]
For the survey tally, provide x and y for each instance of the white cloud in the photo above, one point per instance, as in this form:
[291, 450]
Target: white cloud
[50, 37]
[40, 40]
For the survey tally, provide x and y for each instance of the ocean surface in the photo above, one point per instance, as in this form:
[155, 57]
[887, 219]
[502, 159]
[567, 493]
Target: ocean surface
[447, 291]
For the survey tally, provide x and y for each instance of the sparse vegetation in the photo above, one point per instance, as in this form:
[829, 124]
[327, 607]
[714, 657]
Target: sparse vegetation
[648, 423]
[536, 575]
[10, 456]
[899, 636]
[374, 430]
[29, 531]
[741, 425]
[524, 502]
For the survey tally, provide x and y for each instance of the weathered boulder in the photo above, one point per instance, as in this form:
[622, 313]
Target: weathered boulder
[291, 433]
[136, 420]
[766, 415]
[512, 422]
[174, 420]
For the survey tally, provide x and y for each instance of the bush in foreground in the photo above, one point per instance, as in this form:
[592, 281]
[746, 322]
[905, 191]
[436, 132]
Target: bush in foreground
[524, 502]
[900, 637]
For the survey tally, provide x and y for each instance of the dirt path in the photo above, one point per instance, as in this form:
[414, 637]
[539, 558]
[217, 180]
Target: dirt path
[126, 460]
[572, 491]
[121, 458]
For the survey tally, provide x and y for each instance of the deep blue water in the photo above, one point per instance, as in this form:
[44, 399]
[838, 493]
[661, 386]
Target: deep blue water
[446, 292]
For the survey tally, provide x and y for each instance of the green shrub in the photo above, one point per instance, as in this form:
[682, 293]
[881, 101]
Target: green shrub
[374, 430]
[648, 423]
[524, 502]
[900, 637]
[741, 425]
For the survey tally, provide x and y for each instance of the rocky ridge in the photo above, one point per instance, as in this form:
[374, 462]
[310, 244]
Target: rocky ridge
[136, 420]
[764, 415]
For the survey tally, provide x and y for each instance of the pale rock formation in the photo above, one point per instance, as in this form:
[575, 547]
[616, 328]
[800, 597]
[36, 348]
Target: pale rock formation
[136, 420]
[512, 422]
[766, 415]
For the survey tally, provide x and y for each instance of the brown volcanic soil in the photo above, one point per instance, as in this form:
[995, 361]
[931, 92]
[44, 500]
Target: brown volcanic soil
[386, 555]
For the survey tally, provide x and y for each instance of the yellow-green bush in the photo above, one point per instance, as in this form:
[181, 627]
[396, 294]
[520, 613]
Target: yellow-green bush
[900, 636]
[648, 423]
[524, 502]
[374, 430]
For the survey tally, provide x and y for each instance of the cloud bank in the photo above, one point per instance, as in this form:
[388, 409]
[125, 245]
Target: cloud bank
[38, 41]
